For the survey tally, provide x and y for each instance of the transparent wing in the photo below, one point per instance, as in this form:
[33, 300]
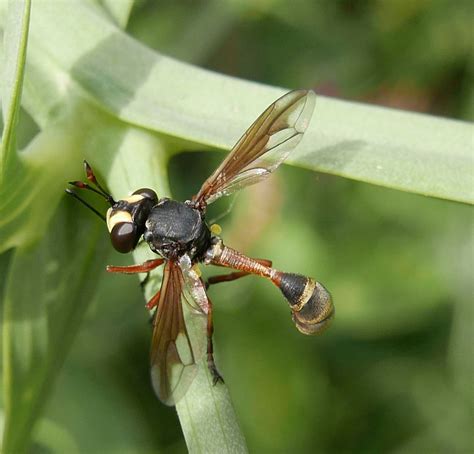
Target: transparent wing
[175, 352]
[263, 147]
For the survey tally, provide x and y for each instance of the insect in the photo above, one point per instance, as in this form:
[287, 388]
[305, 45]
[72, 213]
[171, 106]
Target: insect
[178, 233]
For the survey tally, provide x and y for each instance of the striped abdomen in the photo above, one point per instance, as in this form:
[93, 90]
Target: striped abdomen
[310, 302]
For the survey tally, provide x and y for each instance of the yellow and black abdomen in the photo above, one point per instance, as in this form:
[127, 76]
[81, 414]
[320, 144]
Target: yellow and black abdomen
[310, 303]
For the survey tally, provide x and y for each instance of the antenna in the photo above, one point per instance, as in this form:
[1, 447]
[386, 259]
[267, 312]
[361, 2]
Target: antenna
[100, 190]
[72, 193]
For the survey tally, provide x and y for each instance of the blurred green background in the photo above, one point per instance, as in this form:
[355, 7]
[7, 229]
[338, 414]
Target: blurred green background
[394, 372]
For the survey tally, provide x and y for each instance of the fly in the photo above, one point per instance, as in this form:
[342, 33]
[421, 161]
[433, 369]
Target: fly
[178, 233]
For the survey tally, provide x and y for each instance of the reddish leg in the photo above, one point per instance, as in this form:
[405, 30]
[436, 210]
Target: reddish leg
[132, 269]
[216, 376]
[153, 301]
[145, 267]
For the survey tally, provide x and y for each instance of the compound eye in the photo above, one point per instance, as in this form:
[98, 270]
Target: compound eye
[124, 236]
[148, 193]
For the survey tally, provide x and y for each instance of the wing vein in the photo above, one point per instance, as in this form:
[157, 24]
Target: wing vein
[254, 149]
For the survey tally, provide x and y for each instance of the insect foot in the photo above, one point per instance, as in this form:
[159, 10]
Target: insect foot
[216, 376]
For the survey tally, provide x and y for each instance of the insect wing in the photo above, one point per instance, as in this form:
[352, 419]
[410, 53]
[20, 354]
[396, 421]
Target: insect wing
[263, 147]
[194, 286]
[175, 352]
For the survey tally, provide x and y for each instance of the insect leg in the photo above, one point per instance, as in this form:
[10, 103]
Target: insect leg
[216, 376]
[143, 268]
[132, 269]
[153, 301]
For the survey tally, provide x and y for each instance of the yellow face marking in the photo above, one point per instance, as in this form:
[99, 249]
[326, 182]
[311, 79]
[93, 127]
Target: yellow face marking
[216, 229]
[133, 198]
[114, 218]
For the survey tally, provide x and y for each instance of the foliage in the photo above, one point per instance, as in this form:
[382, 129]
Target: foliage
[397, 264]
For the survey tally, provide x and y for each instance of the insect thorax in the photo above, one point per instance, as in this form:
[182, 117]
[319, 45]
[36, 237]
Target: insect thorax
[175, 228]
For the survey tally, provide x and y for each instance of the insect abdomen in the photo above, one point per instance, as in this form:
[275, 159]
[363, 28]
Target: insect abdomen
[310, 302]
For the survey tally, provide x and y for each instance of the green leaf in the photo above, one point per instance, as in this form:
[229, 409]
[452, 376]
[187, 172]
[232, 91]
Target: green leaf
[42, 313]
[208, 418]
[206, 413]
[119, 10]
[13, 64]
[48, 290]
[30, 194]
[406, 151]
[79, 58]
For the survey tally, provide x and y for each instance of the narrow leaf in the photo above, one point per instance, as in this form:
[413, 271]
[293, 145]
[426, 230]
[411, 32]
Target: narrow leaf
[208, 418]
[120, 10]
[43, 311]
[206, 413]
[31, 192]
[11, 81]
[406, 151]
[48, 290]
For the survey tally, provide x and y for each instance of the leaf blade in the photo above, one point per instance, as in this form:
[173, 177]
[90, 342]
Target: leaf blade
[42, 314]
[208, 418]
[14, 57]
[354, 140]
[203, 402]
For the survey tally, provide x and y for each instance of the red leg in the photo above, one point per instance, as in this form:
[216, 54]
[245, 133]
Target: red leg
[153, 301]
[131, 269]
[145, 267]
